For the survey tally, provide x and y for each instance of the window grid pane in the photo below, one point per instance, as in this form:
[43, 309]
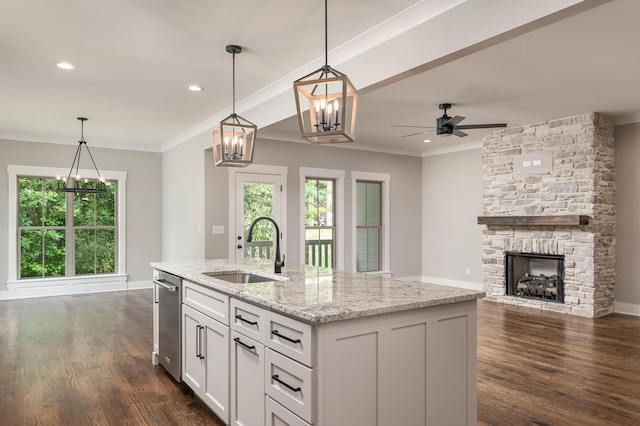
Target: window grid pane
[319, 223]
[368, 226]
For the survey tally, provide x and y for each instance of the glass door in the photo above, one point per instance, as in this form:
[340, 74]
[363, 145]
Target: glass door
[257, 195]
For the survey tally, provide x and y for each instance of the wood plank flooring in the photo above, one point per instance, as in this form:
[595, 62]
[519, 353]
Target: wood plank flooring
[86, 360]
[544, 368]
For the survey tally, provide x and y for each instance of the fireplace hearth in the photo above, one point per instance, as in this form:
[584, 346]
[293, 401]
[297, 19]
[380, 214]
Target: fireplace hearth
[535, 276]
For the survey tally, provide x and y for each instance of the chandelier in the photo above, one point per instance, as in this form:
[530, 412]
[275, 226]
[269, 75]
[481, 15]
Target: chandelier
[326, 102]
[75, 182]
[234, 137]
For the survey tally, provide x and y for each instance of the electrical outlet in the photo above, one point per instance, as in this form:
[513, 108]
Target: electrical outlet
[468, 271]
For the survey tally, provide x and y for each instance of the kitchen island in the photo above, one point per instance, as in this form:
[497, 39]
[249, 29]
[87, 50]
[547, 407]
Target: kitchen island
[315, 346]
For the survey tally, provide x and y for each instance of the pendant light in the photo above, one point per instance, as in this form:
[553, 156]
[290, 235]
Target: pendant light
[75, 182]
[234, 137]
[326, 103]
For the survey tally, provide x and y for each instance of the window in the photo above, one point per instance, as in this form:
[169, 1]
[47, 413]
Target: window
[66, 237]
[319, 229]
[368, 226]
[371, 222]
[322, 217]
[65, 234]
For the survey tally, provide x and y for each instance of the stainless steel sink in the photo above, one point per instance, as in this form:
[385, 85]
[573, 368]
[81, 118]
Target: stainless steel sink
[239, 277]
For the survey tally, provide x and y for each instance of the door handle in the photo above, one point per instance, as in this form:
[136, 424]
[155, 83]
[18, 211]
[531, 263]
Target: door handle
[239, 246]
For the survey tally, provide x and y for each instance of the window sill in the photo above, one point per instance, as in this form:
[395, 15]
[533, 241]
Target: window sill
[381, 273]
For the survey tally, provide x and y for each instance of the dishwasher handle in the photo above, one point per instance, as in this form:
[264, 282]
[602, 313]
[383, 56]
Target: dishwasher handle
[165, 285]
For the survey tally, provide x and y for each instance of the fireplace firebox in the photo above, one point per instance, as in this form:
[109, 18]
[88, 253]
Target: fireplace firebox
[535, 276]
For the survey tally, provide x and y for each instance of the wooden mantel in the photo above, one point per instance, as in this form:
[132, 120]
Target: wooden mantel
[551, 220]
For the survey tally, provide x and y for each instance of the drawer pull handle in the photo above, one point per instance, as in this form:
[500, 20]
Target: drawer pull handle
[275, 332]
[246, 320]
[237, 340]
[277, 379]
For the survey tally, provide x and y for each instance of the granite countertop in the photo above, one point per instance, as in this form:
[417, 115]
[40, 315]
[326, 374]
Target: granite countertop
[319, 295]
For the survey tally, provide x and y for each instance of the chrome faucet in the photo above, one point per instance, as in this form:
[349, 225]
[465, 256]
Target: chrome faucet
[278, 263]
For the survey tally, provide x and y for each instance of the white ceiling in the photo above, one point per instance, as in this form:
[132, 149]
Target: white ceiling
[495, 60]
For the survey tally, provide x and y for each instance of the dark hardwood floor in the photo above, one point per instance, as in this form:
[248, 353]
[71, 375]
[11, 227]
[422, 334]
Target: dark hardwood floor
[86, 360]
[544, 368]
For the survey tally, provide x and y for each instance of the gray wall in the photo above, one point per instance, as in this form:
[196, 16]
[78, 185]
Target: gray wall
[628, 214]
[405, 200]
[452, 199]
[451, 203]
[183, 202]
[144, 196]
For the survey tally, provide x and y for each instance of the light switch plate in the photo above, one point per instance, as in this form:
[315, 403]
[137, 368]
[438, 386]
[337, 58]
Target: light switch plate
[217, 230]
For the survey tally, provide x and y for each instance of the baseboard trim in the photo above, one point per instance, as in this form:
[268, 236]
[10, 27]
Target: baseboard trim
[139, 285]
[69, 287]
[627, 308]
[444, 281]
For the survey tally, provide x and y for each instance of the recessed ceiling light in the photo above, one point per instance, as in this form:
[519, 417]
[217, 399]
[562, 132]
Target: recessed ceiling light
[195, 88]
[426, 140]
[65, 66]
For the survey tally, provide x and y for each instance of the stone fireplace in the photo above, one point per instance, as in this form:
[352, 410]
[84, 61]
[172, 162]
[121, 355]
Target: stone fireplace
[549, 190]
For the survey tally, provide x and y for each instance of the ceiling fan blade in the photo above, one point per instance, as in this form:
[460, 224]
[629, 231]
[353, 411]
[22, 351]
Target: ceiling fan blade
[412, 134]
[419, 127]
[481, 126]
[453, 121]
[459, 133]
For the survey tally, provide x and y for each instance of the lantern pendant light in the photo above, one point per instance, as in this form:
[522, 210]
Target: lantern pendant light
[326, 103]
[81, 184]
[234, 137]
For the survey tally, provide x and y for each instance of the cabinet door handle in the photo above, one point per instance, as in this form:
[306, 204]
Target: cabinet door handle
[277, 379]
[237, 340]
[198, 341]
[276, 333]
[201, 337]
[246, 320]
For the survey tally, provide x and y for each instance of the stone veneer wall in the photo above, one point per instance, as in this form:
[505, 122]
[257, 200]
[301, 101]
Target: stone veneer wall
[581, 182]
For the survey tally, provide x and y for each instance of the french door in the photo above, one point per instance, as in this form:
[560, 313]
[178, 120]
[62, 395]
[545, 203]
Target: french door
[255, 195]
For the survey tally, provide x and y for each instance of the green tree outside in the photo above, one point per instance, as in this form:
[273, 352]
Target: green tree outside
[43, 229]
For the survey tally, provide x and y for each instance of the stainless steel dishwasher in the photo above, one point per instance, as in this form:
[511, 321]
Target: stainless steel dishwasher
[168, 298]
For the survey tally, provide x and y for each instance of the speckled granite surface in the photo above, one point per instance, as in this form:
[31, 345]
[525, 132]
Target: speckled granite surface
[317, 294]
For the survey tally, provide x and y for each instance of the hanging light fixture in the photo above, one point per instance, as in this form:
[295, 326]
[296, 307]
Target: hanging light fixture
[234, 137]
[326, 103]
[75, 182]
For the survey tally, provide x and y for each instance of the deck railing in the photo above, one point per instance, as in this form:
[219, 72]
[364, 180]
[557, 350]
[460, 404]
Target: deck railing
[317, 252]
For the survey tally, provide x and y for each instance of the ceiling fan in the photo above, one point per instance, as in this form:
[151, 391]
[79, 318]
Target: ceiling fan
[447, 126]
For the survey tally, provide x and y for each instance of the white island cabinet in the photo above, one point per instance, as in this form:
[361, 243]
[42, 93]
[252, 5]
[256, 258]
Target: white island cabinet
[330, 348]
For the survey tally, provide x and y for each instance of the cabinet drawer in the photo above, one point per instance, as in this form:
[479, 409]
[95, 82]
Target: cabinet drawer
[291, 384]
[249, 320]
[210, 302]
[291, 338]
[277, 415]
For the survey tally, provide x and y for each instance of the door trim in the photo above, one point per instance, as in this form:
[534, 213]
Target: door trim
[281, 171]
